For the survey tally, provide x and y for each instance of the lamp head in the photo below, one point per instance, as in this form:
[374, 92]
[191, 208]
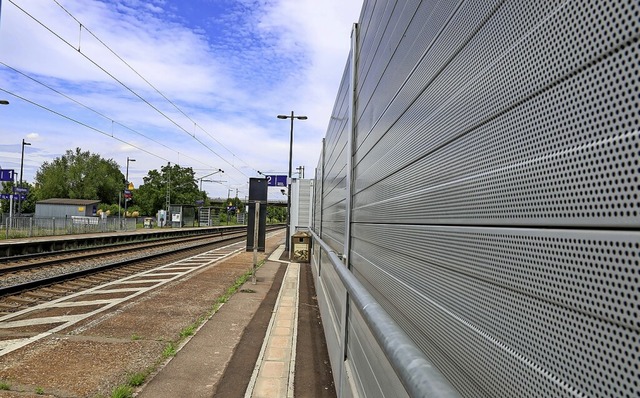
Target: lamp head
[282, 116]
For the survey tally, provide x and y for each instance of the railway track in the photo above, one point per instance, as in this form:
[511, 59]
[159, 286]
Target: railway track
[22, 262]
[68, 304]
[38, 266]
[33, 279]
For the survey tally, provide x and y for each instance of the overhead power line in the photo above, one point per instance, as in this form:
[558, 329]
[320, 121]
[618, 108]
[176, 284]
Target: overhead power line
[33, 79]
[80, 123]
[151, 85]
[78, 49]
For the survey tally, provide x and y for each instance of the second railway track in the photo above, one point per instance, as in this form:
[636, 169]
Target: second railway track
[35, 279]
[71, 305]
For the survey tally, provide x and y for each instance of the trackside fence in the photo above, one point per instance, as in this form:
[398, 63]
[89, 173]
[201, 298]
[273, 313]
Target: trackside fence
[24, 227]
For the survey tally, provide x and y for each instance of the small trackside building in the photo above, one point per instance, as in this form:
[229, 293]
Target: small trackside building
[61, 208]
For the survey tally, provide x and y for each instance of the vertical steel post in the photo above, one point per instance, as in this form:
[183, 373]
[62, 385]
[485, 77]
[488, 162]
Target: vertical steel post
[119, 207]
[288, 229]
[168, 197]
[21, 170]
[126, 188]
[256, 227]
[321, 202]
[350, 146]
[349, 198]
[9, 225]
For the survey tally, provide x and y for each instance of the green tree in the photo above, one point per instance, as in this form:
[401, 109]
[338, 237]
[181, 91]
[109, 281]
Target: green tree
[151, 196]
[28, 205]
[276, 214]
[80, 175]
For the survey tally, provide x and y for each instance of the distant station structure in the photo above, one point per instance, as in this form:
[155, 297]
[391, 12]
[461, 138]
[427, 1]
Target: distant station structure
[61, 208]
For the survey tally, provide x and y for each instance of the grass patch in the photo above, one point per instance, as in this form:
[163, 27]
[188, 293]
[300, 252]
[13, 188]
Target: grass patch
[5, 386]
[137, 379]
[169, 350]
[122, 392]
[39, 390]
[241, 280]
[188, 331]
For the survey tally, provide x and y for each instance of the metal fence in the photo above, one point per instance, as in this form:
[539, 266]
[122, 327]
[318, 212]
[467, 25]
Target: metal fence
[25, 227]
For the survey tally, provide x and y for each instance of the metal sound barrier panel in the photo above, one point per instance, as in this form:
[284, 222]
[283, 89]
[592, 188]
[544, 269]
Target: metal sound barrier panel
[495, 210]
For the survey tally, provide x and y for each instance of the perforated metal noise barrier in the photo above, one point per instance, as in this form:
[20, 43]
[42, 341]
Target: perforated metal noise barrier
[492, 203]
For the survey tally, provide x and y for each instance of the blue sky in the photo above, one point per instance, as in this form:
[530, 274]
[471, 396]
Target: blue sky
[198, 83]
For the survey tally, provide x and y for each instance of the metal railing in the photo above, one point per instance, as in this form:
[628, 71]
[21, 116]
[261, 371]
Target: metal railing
[417, 374]
[26, 227]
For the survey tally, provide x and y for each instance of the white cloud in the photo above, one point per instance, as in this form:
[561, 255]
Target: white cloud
[231, 73]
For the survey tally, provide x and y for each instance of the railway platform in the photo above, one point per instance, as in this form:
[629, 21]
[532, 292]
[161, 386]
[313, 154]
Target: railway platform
[266, 340]
[192, 372]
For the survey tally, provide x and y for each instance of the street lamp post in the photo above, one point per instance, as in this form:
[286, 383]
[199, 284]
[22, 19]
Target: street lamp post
[286, 242]
[21, 168]
[127, 186]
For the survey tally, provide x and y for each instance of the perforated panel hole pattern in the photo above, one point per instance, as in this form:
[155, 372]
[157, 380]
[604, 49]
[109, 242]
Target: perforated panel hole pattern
[526, 311]
[495, 213]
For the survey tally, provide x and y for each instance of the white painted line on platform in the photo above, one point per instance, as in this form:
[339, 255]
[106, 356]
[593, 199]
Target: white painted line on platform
[63, 322]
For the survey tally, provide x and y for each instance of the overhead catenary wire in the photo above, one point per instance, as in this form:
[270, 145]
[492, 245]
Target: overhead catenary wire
[89, 126]
[81, 123]
[78, 49]
[196, 125]
[94, 111]
[33, 79]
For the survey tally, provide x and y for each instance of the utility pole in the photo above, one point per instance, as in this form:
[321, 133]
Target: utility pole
[21, 171]
[127, 196]
[168, 197]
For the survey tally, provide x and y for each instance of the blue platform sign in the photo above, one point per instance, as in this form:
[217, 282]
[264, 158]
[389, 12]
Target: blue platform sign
[276, 181]
[6, 175]
[8, 196]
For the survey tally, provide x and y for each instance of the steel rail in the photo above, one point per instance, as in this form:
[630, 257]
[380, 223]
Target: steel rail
[14, 289]
[87, 253]
[221, 231]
